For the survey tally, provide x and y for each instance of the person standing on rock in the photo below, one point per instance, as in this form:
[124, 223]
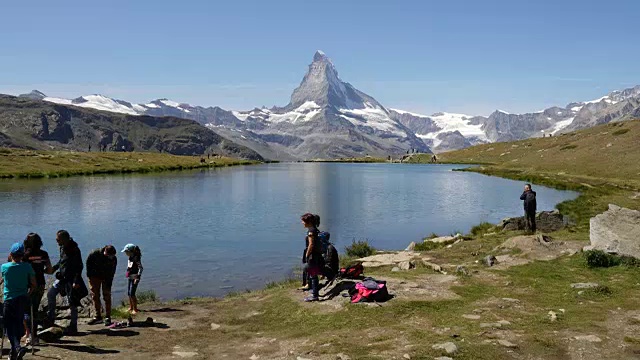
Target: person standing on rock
[41, 264]
[19, 280]
[101, 268]
[68, 277]
[530, 205]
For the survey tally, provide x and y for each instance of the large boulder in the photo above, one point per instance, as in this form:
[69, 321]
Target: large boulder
[617, 230]
[86, 310]
[546, 221]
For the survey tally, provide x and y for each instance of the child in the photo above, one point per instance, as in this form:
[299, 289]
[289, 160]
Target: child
[19, 280]
[134, 271]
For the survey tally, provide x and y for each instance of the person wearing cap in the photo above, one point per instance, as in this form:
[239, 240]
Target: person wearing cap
[134, 271]
[68, 278]
[19, 281]
[101, 268]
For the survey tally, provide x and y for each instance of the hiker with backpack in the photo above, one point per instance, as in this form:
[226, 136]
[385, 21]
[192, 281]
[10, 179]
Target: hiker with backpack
[41, 264]
[101, 268]
[134, 271]
[68, 282]
[313, 255]
[19, 281]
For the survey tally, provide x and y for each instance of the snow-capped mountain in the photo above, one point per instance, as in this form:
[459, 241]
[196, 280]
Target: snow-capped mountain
[329, 118]
[326, 117]
[443, 131]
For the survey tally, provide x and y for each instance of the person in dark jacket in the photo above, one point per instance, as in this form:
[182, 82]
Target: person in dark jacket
[68, 278]
[530, 205]
[101, 268]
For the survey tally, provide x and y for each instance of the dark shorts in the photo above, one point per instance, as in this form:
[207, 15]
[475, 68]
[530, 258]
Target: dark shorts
[132, 288]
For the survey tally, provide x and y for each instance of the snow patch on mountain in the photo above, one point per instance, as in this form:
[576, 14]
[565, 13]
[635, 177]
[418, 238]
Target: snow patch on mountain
[302, 113]
[449, 122]
[374, 117]
[561, 125]
[98, 102]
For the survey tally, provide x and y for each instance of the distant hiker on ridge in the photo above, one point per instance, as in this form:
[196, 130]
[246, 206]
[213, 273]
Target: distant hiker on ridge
[530, 205]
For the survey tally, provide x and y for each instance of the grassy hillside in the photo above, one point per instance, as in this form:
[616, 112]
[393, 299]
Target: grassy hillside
[606, 154]
[36, 124]
[33, 164]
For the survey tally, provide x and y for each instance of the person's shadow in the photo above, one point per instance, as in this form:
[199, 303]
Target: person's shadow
[338, 288]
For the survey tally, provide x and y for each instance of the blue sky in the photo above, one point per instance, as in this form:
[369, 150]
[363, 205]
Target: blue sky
[468, 56]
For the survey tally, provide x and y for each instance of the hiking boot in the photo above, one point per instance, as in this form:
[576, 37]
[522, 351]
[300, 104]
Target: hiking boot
[70, 331]
[21, 353]
[95, 320]
[107, 321]
[311, 298]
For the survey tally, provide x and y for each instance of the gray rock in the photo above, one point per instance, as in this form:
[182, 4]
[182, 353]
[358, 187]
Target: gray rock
[448, 347]
[617, 230]
[471, 317]
[406, 265]
[497, 325]
[434, 267]
[342, 356]
[462, 270]
[584, 285]
[588, 338]
[507, 344]
[442, 239]
[443, 358]
[395, 269]
[546, 221]
[215, 326]
[490, 260]
[406, 356]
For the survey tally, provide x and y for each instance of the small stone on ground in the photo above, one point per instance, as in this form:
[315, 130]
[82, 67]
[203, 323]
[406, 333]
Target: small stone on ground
[471, 317]
[507, 344]
[584, 285]
[589, 338]
[215, 326]
[448, 347]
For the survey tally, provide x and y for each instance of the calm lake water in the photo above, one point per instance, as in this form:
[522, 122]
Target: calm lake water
[214, 231]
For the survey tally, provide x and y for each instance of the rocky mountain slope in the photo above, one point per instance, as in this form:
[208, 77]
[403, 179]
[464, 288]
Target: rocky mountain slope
[329, 118]
[36, 124]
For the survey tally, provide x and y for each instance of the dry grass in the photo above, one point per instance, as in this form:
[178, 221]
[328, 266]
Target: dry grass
[603, 154]
[35, 164]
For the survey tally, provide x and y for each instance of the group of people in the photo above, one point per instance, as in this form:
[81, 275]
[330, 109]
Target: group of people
[24, 285]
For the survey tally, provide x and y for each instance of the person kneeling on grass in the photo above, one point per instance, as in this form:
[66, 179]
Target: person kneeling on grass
[101, 268]
[134, 271]
[314, 261]
[19, 281]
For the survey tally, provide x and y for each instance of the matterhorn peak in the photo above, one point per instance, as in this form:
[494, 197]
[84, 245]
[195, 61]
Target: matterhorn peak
[320, 56]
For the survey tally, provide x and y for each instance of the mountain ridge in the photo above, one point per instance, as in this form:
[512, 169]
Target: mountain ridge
[327, 117]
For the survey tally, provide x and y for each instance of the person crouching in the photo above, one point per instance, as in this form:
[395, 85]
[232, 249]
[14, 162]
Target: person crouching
[101, 268]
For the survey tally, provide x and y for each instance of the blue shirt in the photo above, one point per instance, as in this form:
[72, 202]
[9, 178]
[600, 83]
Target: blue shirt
[16, 279]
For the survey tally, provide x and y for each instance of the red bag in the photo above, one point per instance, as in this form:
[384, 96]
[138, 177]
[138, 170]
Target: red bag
[352, 272]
